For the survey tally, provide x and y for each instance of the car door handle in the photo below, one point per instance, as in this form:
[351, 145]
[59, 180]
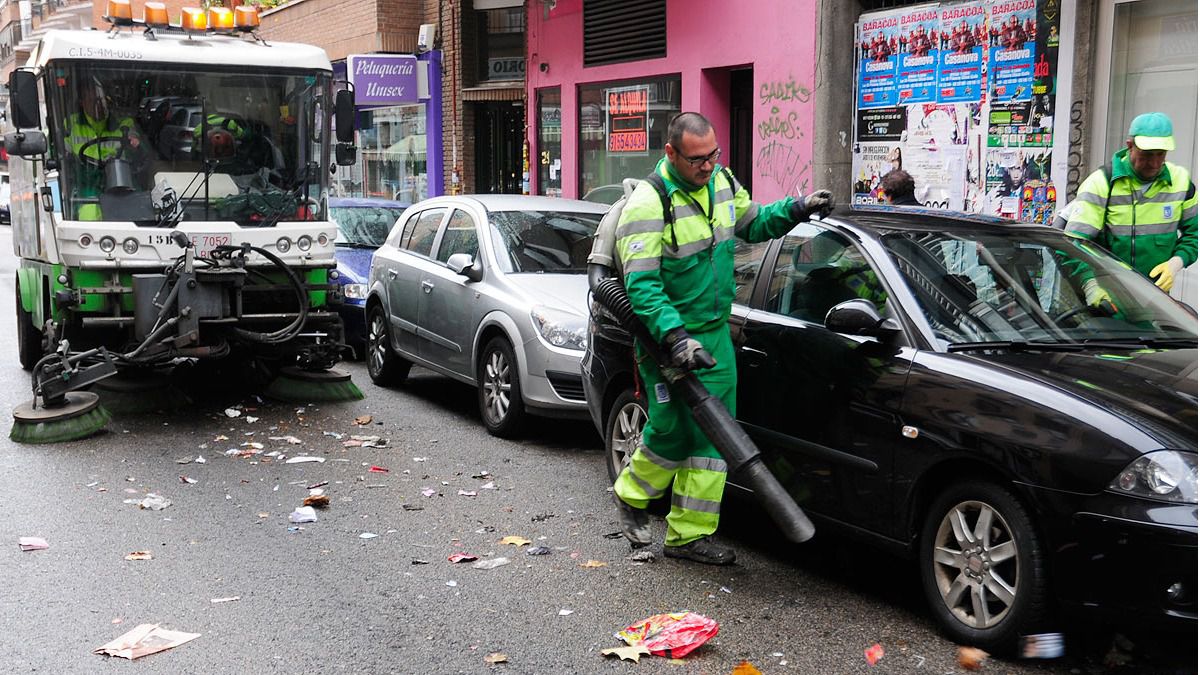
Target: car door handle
[756, 352]
[427, 285]
[391, 274]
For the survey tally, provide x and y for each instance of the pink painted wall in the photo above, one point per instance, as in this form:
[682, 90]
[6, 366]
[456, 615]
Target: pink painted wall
[705, 38]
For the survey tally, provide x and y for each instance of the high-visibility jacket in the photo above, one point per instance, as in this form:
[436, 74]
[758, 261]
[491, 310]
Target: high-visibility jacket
[82, 129]
[218, 121]
[1146, 229]
[682, 274]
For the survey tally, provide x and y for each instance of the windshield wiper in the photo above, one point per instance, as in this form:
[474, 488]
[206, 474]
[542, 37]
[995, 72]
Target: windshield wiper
[1017, 345]
[354, 244]
[1140, 342]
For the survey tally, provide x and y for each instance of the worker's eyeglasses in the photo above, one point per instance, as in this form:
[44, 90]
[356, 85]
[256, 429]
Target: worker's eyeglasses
[697, 162]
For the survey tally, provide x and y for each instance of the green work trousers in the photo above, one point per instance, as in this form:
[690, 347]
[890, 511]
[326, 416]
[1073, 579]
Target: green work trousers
[675, 453]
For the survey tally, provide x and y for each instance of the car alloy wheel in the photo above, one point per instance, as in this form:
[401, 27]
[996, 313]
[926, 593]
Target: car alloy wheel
[500, 402]
[383, 365]
[626, 418]
[982, 566]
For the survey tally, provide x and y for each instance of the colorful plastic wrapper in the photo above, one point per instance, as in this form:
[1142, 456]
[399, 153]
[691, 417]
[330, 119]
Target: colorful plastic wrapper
[672, 635]
[1042, 646]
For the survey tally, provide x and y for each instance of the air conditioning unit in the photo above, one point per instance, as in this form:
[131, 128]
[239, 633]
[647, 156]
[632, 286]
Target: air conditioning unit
[426, 36]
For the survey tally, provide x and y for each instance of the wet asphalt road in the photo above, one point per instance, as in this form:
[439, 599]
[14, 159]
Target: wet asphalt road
[323, 599]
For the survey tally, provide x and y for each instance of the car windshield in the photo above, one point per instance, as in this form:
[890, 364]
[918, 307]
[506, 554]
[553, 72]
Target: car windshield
[366, 226]
[1031, 285]
[543, 241]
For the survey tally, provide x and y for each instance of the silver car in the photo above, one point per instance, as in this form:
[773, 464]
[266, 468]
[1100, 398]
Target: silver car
[490, 290]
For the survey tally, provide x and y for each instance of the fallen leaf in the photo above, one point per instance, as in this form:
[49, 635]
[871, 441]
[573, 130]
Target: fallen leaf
[745, 668]
[140, 555]
[631, 653]
[496, 657]
[514, 540]
[362, 420]
[320, 501]
[873, 653]
[594, 563]
[971, 658]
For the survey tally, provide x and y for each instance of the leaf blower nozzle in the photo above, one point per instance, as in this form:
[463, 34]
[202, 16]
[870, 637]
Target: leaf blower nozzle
[743, 457]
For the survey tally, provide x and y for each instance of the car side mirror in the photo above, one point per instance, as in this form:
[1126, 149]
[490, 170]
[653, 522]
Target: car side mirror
[345, 154]
[859, 317]
[343, 115]
[29, 143]
[23, 100]
[464, 264]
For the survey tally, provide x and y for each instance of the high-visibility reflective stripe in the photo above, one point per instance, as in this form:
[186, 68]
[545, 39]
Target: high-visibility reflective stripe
[1160, 198]
[1144, 229]
[651, 491]
[722, 233]
[1081, 228]
[639, 227]
[687, 210]
[723, 195]
[695, 504]
[1091, 198]
[657, 460]
[706, 463]
[747, 218]
[1189, 212]
[642, 265]
[689, 249]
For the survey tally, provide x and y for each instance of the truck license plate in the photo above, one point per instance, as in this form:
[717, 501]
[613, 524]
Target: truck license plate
[205, 243]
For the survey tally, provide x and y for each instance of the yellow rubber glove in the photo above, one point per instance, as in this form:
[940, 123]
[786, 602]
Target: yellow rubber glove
[1164, 274]
[1098, 298]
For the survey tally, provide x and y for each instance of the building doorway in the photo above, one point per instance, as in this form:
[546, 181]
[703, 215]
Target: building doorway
[741, 126]
[499, 127]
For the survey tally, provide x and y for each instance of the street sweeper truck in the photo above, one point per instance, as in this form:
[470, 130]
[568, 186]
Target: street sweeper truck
[169, 184]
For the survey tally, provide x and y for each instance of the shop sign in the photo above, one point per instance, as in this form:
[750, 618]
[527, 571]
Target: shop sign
[628, 119]
[551, 118]
[508, 68]
[383, 79]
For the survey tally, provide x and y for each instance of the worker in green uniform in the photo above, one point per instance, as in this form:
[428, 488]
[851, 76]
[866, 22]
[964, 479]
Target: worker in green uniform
[94, 136]
[1142, 208]
[679, 276]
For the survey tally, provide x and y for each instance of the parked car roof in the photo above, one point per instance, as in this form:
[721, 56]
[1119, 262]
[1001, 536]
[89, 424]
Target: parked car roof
[365, 203]
[526, 203]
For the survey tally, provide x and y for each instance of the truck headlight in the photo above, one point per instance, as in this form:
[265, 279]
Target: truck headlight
[304, 242]
[283, 245]
[107, 244]
[355, 291]
[1167, 475]
[559, 328]
[130, 245]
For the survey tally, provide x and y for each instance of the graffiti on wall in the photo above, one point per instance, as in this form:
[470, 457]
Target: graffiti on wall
[1075, 156]
[782, 156]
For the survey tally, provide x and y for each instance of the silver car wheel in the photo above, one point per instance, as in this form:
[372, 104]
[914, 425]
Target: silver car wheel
[497, 386]
[975, 564]
[377, 343]
[626, 434]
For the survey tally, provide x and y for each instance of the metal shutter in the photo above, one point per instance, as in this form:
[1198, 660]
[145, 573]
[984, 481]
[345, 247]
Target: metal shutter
[617, 30]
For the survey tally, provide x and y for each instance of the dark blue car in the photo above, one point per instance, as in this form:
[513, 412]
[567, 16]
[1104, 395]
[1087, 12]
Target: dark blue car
[363, 224]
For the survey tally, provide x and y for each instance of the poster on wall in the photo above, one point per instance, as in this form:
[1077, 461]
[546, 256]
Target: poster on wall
[872, 161]
[878, 44]
[628, 119]
[1013, 35]
[938, 173]
[881, 124]
[933, 124]
[916, 81]
[1019, 184]
[964, 37]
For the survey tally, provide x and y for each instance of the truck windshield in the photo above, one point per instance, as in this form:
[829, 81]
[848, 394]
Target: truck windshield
[157, 145]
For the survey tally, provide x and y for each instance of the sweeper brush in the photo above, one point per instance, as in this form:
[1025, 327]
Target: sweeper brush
[64, 414]
[140, 393]
[303, 386]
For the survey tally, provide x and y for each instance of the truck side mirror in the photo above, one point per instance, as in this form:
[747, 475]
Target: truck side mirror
[343, 115]
[23, 100]
[345, 154]
[30, 143]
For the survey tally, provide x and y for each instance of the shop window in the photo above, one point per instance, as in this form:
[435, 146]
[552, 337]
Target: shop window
[391, 162]
[550, 142]
[501, 44]
[615, 31]
[622, 131]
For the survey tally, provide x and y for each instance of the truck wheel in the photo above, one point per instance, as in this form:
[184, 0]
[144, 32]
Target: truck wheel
[623, 431]
[29, 338]
[982, 567]
[500, 402]
[383, 364]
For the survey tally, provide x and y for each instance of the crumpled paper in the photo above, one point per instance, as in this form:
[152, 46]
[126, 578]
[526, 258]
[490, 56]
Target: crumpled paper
[673, 635]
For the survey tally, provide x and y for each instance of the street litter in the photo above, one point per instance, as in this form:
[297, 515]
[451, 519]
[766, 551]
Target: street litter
[146, 639]
[200, 459]
[184, 460]
[873, 653]
[672, 635]
[542, 517]
[189, 481]
[420, 459]
[537, 550]
[233, 412]
[250, 419]
[139, 555]
[428, 492]
[154, 502]
[229, 599]
[290, 439]
[491, 563]
[468, 493]
[319, 501]
[514, 540]
[1041, 646]
[482, 474]
[365, 442]
[377, 469]
[318, 484]
[566, 612]
[970, 658]
[461, 557]
[452, 583]
[641, 555]
[253, 444]
[409, 507]
[594, 563]
[418, 561]
[367, 535]
[362, 420]
[333, 433]
[32, 544]
[726, 589]
[745, 668]
[632, 653]
[301, 459]
[304, 514]
[495, 657]
[488, 486]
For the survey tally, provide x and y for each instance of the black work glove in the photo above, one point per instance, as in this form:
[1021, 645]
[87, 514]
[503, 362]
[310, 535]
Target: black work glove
[819, 202]
[686, 352]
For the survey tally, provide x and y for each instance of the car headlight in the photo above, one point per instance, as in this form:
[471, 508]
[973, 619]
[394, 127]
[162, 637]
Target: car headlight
[355, 291]
[560, 329]
[1167, 475]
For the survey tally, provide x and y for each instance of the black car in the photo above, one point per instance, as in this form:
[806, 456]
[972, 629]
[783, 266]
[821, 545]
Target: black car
[1013, 407]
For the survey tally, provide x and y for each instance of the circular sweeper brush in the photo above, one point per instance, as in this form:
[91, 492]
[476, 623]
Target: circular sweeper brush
[305, 386]
[138, 393]
[79, 415]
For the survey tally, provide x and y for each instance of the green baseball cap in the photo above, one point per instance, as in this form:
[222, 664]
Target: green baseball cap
[1152, 131]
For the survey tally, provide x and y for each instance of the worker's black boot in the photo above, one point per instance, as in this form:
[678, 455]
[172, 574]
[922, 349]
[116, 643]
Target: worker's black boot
[702, 550]
[635, 524]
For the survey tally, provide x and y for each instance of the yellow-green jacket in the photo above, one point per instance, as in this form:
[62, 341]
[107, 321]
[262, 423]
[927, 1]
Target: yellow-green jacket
[682, 275]
[1143, 230]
